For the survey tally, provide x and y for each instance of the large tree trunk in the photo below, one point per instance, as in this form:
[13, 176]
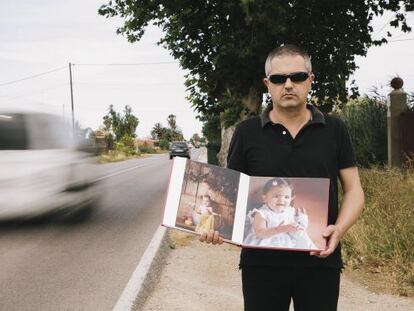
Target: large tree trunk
[252, 106]
[226, 135]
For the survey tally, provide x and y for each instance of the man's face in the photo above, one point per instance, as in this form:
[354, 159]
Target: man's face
[289, 94]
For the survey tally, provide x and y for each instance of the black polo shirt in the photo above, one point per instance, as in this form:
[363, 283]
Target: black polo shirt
[322, 147]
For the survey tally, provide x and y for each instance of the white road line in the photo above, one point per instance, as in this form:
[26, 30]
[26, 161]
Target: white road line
[136, 282]
[120, 172]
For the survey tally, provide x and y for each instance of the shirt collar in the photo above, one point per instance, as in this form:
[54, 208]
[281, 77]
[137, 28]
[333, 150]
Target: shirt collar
[316, 115]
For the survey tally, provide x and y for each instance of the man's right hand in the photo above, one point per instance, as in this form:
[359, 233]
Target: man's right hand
[211, 237]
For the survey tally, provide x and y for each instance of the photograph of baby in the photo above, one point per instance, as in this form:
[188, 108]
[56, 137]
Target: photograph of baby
[289, 213]
[208, 199]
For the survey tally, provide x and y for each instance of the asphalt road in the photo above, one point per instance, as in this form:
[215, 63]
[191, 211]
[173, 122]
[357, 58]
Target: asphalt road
[85, 266]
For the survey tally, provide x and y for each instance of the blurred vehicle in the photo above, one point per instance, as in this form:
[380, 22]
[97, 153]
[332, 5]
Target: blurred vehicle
[180, 149]
[42, 168]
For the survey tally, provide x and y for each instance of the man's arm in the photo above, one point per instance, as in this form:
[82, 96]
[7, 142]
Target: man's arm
[351, 209]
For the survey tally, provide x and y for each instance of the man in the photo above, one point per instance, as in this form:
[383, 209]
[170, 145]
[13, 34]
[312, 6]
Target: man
[294, 139]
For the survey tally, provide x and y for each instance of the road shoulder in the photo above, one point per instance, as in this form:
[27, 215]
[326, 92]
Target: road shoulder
[202, 277]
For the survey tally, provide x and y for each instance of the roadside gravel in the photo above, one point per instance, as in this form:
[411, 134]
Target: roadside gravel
[205, 277]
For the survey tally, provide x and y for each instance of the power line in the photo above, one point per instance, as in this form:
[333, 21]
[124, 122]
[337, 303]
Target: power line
[382, 28]
[103, 64]
[33, 76]
[408, 39]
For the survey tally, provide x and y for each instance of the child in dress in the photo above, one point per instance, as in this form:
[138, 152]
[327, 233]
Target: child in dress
[276, 223]
[203, 215]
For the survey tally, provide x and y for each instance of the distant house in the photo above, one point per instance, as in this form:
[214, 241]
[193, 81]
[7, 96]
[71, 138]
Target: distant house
[101, 140]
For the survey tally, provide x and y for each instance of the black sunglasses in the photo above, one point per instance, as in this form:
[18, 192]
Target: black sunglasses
[294, 77]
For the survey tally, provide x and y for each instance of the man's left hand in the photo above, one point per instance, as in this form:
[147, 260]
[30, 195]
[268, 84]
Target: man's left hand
[333, 234]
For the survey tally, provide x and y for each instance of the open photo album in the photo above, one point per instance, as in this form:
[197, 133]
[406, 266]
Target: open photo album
[251, 211]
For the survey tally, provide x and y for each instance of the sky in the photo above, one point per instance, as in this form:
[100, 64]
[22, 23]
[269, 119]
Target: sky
[39, 36]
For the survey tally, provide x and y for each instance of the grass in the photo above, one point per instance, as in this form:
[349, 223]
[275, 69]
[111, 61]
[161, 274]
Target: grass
[381, 243]
[115, 156]
[180, 238]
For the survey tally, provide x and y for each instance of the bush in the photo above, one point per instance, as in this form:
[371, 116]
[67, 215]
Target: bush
[126, 145]
[164, 144]
[146, 149]
[366, 120]
[383, 239]
[212, 150]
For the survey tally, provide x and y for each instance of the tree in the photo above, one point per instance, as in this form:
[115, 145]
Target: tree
[158, 131]
[120, 124]
[172, 122]
[169, 134]
[196, 140]
[223, 44]
[175, 132]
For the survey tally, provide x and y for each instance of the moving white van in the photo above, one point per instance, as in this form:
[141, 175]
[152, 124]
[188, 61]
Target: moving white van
[41, 168]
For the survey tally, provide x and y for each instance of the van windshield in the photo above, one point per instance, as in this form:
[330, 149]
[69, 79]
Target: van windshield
[13, 134]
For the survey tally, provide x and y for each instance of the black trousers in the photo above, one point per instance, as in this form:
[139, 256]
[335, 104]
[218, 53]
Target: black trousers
[272, 288]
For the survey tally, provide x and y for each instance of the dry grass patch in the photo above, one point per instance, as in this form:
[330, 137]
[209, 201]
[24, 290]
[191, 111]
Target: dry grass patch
[115, 157]
[180, 238]
[381, 244]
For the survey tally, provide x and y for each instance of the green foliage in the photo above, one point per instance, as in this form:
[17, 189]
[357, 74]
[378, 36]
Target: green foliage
[212, 151]
[223, 43]
[174, 132]
[158, 131]
[126, 144]
[146, 149]
[211, 128]
[120, 124]
[164, 144]
[110, 140]
[366, 120]
[383, 239]
[170, 134]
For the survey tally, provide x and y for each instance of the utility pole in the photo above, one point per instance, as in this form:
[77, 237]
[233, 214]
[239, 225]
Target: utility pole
[71, 95]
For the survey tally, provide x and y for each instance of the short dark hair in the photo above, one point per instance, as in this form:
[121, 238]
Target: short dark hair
[287, 49]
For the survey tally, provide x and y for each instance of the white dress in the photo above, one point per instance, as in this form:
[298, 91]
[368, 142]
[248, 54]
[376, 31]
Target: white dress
[299, 239]
[198, 212]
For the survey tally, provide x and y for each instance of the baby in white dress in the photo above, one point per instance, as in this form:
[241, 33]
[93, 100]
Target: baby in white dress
[276, 223]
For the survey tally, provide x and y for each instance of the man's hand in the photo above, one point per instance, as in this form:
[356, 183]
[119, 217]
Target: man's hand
[333, 234]
[211, 237]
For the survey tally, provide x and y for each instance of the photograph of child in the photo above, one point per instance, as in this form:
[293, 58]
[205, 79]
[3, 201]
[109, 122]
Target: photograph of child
[203, 215]
[275, 221]
[208, 199]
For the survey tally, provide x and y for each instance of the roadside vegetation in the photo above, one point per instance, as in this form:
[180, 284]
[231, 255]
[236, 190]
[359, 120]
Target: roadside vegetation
[379, 248]
[382, 241]
[127, 149]
[116, 139]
